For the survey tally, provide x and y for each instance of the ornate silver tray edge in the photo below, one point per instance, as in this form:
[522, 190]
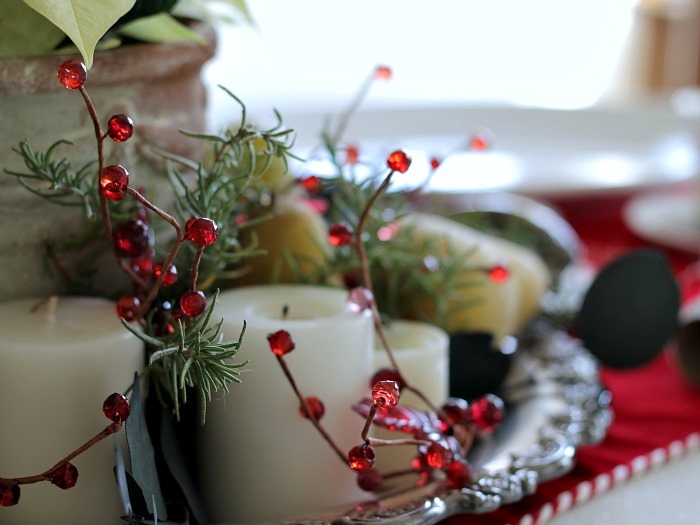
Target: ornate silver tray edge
[557, 379]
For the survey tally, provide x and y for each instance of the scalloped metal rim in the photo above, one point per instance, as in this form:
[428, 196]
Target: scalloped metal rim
[560, 368]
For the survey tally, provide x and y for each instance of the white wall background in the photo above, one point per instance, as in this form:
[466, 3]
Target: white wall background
[310, 55]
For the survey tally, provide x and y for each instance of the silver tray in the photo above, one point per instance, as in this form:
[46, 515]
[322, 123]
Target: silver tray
[555, 403]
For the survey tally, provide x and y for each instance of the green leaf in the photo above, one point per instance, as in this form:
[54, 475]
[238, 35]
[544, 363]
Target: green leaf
[143, 463]
[24, 32]
[160, 28]
[84, 21]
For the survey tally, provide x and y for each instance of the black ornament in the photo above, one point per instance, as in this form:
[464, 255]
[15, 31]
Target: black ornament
[476, 367]
[630, 311]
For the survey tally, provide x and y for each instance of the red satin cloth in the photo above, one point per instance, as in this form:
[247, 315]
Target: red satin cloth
[655, 408]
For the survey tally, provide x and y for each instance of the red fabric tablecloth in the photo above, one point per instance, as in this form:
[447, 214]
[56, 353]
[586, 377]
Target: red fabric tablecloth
[657, 413]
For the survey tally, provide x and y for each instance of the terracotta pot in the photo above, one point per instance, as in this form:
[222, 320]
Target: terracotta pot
[157, 85]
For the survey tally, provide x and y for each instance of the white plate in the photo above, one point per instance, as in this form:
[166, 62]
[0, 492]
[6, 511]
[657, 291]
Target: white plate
[533, 151]
[670, 219]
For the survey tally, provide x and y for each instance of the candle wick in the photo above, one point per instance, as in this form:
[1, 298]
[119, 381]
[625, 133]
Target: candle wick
[51, 308]
[285, 311]
[51, 305]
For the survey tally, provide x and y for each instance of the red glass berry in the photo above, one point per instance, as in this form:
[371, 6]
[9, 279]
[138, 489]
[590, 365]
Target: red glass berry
[458, 473]
[65, 476]
[340, 234]
[72, 74]
[116, 407]
[315, 406]
[132, 238]
[360, 299]
[499, 273]
[128, 307]
[114, 180]
[479, 142]
[170, 275]
[398, 161]
[387, 374]
[281, 342]
[486, 412]
[437, 456]
[201, 230]
[143, 264]
[312, 184]
[435, 163]
[361, 457]
[370, 480]
[120, 128]
[9, 495]
[382, 73]
[455, 409]
[386, 394]
[352, 155]
[193, 303]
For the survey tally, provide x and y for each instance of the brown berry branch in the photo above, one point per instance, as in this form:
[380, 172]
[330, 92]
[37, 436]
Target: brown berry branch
[64, 474]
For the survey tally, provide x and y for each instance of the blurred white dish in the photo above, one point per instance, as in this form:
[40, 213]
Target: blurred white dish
[670, 219]
[531, 151]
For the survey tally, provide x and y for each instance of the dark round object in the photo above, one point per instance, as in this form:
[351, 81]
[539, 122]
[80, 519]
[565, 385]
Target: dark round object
[630, 311]
[476, 367]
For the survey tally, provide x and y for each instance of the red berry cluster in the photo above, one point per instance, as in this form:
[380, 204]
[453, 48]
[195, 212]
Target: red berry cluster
[133, 240]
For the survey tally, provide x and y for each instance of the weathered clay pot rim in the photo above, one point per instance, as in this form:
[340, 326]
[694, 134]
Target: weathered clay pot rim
[125, 64]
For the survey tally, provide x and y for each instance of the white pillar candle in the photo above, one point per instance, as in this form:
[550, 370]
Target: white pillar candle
[259, 458]
[422, 351]
[60, 360]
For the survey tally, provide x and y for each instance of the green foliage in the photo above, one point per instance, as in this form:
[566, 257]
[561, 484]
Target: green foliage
[195, 356]
[84, 21]
[23, 31]
[66, 185]
[37, 27]
[223, 188]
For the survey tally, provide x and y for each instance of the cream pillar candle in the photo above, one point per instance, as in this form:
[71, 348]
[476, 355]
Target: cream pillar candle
[61, 358]
[259, 458]
[422, 351]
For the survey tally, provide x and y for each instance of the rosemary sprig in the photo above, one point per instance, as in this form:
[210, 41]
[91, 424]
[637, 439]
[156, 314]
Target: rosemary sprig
[66, 185]
[195, 356]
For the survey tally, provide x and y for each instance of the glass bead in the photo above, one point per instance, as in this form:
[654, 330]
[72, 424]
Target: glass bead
[193, 303]
[65, 476]
[386, 394]
[281, 342]
[370, 480]
[486, 412]
[9, 496]
[361, 457]
[114, 181]
[458, 473]
[116, 408]
[128, 307]
[315, 407]
[72, 74]
[120, 128]
[360, 299]
[382, 73]
[398, 161]
[340, 235]
[201, 230]
[170, 276]
[499, 273]
[132, 238]
[437, 456]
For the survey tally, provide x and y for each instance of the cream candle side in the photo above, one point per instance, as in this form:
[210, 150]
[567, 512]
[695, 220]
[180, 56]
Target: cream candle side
[259, 458]
[58, 367]
[422, 351]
